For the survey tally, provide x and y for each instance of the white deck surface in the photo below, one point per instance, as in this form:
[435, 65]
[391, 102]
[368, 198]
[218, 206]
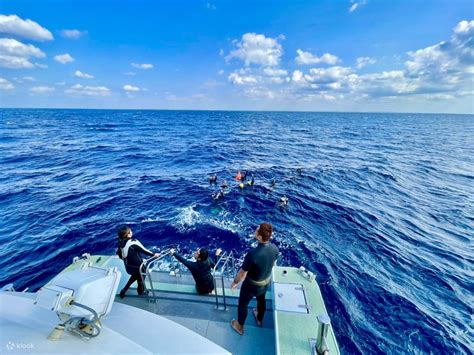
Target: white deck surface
[24, 328]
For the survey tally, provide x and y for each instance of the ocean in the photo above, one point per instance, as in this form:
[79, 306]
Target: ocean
[382, 209]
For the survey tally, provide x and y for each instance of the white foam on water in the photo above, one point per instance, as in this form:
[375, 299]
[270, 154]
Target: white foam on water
[188, 218]
[150, 219]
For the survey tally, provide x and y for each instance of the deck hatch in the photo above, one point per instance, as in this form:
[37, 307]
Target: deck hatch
[290, 297]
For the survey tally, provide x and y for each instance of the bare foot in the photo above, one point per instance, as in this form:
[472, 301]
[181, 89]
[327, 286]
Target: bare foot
[255, 314]
[237, 327]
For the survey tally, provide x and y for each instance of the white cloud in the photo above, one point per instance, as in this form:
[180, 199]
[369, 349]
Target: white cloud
[131, 88]
[211, 6]
[16, 55]
[12, 62]
[277, 80]
[221, 52]
[82, 75]
[23, 79]
[305, 58]
[357, 5]
[80, 90]
[211, 84]
[448, 65]
[275, 72]
[297, 76]
[63, 58]
[257, 49]
[260, 92]
[220, 72]
[327, 75]
[72, 34]
[240, 79]
[464, 27]
[142, 66]
[364, 61]
[444, 71]
[14, 25]
[13, 47]
[41, 89]
[6, 85]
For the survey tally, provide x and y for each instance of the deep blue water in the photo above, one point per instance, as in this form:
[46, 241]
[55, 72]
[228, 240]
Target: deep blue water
[383, 211]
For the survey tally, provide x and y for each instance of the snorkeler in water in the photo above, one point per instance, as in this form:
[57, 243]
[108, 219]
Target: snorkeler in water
[224, 185]
[212, 179]
[283, 201]
[299, 171]
[218, 195]
[252, 180]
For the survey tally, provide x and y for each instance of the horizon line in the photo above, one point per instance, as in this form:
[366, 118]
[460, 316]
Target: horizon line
[228, 110]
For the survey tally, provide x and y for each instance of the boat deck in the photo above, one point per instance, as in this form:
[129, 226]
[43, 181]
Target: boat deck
[290, 326]
[178, 301]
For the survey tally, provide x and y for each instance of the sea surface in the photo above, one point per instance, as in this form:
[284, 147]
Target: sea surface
[382, 211]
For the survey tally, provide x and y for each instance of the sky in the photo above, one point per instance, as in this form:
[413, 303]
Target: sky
[345, 55]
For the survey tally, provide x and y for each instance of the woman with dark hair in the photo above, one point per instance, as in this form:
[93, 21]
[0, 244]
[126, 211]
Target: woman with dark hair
[201, 269]
[130, 251]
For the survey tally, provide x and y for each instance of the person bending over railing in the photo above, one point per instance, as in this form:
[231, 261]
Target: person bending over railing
[200, 269]
[130, 251]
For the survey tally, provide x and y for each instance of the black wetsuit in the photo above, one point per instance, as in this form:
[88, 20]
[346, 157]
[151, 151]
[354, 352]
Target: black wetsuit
[258, 263]
[201, 271]
[130, 251]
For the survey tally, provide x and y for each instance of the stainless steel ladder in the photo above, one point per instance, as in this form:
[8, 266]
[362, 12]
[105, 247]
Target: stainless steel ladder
[227, 270]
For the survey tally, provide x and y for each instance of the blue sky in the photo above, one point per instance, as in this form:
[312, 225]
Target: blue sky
[359, 55]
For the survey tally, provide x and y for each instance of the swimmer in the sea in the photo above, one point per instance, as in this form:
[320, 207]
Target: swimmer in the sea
[283, 201]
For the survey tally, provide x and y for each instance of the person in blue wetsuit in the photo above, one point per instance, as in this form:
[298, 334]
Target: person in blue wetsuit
[201, 269]
[256, 274]
[131, 251]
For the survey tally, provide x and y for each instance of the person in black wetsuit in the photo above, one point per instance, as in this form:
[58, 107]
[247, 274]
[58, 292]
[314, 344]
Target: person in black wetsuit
[283, 202]
[252, 180]
[256, 273]
[224, 185]
[130, 251]
[218, 195]
[212, 179]
[200, 269]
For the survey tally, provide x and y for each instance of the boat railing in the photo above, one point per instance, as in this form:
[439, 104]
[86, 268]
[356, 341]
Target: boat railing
[145, 269]
[224, 269]
[319, 345]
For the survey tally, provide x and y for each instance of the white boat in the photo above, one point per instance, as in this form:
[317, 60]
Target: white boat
[79, 311]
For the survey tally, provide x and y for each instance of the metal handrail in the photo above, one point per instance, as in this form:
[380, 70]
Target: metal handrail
[227, 269]
[225, 258]
[221, 257]
[147, 263]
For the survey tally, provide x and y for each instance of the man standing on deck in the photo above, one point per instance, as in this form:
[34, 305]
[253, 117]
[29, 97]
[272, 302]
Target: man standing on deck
[256, 273]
